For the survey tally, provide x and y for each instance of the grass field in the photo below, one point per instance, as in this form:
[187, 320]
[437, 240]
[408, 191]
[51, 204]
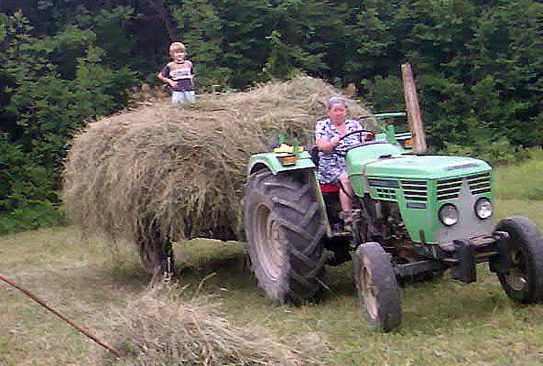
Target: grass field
[445, 322]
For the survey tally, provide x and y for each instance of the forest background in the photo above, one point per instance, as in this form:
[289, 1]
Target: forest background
[478, 65]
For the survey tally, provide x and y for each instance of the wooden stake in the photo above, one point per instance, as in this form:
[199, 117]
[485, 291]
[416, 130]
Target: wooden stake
[413, 110]
[80, 328]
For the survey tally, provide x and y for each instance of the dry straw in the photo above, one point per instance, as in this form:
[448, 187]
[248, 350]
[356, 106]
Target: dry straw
[161, 328]
[166, 172]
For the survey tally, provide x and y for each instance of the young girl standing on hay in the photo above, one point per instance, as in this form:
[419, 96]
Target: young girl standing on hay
[178, 74]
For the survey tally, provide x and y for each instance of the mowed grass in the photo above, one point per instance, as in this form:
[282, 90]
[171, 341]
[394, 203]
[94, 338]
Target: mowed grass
[445, 322]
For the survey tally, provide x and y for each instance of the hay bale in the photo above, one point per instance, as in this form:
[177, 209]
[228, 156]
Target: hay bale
[167, 172]
[164, 329]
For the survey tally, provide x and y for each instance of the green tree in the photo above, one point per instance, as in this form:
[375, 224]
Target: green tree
[202, 34]
[285, 60]
[46, 98]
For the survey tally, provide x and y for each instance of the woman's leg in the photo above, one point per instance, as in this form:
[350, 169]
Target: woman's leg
[345, 195]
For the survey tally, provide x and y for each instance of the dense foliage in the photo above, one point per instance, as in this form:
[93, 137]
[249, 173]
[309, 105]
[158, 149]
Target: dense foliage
[50, 86]
[479, 67]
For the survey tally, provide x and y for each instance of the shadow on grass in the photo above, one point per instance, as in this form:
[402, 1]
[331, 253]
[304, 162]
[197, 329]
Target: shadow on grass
[434, 307]
[218, 269]
[194, 265]
[107, 277]
[218, 273]
[338, 282]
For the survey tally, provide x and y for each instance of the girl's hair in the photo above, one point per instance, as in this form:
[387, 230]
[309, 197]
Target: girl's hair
[177, 46]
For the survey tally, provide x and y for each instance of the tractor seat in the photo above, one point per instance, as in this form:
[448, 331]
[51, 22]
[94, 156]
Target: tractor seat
[325, 187]
[329, 188]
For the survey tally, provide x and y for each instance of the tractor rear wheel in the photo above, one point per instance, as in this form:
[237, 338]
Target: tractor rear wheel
[283, 226]
[377, 286]
[524, 280]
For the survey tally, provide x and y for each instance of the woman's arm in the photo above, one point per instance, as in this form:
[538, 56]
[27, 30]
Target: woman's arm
[324, 139]
[326, 145]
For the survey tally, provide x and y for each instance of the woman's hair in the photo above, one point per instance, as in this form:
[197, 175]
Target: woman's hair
[177, 46]
[336, 100]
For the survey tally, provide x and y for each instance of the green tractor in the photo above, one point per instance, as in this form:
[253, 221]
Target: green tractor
[415, 216]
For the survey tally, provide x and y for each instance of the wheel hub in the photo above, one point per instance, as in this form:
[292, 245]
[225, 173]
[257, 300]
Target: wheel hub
[517, 281]
[368, 288]
[268, 243]
[517, 276]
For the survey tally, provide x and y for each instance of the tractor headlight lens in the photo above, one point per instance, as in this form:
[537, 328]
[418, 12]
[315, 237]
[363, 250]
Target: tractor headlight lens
[448, 214]
[483, 208]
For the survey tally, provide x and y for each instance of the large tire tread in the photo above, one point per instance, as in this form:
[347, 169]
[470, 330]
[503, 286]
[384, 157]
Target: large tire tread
[295, 209]
[526, 235]
[387, 295]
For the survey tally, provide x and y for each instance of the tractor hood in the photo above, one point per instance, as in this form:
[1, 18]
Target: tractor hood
[420, 167]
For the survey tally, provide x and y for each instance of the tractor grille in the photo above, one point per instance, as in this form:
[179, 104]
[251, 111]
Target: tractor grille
[450, 188]
[386, 194]
[386, 188]
[415, 190]
[479, 183]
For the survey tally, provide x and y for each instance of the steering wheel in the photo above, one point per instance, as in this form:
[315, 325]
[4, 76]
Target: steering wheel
[361, 143]
[360, 132]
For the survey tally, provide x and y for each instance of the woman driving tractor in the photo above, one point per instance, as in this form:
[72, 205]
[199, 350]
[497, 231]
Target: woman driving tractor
[332, 149]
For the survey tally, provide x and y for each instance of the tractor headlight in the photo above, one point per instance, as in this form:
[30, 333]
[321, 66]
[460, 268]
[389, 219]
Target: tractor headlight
[448, 214]
[483, 208]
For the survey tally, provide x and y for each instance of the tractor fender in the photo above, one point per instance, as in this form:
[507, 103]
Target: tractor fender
[269, 161]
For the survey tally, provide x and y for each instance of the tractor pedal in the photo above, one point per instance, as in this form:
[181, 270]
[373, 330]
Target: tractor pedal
[340, 230]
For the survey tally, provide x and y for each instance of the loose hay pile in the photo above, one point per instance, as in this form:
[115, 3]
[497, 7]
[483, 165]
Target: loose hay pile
[166, 172]
[161, 329]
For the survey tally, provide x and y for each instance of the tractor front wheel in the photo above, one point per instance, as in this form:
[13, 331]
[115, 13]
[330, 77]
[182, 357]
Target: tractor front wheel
[283, 226]
[377, 287]
[523, 282]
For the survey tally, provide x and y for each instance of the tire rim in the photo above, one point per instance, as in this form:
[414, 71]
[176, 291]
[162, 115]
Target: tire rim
[368, 289]
[268, 241]
[517, 276]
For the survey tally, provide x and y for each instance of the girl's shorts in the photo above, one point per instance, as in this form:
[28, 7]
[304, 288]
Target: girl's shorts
[183, 97]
